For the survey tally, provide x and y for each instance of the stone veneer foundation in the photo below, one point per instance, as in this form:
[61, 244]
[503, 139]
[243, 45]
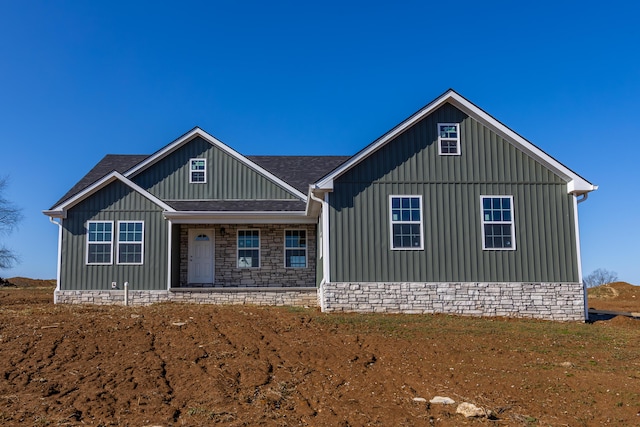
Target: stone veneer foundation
[272, 296]
[549, 301]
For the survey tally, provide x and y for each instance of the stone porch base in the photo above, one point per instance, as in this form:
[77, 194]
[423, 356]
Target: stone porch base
[549, 301]
[259, 296]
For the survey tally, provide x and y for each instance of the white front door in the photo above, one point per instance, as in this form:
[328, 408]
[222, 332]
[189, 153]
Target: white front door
[201, 256]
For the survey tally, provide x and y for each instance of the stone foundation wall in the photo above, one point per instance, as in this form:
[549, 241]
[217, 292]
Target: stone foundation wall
[551, 301]
[273, 296]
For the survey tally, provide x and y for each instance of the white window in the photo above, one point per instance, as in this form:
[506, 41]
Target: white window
[198, 171]
[498, 231]
[248, 248]
[99, 242]
[295, 248]
[130, 242]
[406, 222]
[449, 139]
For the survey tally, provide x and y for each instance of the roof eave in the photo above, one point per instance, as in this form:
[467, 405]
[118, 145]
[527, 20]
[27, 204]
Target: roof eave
[60, 213]
[580, 186]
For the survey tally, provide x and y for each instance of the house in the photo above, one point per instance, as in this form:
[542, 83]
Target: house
[448, 212]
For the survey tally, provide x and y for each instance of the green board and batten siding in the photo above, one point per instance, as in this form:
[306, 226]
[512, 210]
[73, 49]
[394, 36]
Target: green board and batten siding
[451, 187]
[116, 202]
[168, 179]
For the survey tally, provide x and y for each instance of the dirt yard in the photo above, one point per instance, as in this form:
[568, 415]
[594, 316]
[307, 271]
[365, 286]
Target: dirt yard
[191, 365]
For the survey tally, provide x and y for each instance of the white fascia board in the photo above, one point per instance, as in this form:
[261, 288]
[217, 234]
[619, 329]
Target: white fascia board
[575, 183]
[206, 217]
[195, 132]
[102, 183]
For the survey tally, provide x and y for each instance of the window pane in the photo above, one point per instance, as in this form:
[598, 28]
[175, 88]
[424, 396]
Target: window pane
[130, 253]
[248, 258]
[497, 236]
[295, 238]
[99, 253]
[406, 235]
[99, 232]
[295, 258]
[130, 232]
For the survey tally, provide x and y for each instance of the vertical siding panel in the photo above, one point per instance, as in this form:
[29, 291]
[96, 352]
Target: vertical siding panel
[378, 247]
[526, 220]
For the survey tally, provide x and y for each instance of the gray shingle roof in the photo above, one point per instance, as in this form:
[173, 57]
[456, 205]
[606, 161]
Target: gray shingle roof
[299, 171]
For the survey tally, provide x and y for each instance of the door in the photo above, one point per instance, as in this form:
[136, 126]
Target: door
[201, 256]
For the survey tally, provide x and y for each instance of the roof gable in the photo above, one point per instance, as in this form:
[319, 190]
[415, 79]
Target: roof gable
[59, 211]
[575, 183]
[197, 132]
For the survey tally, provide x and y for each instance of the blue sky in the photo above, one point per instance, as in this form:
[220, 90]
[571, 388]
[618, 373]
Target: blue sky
[82, 79]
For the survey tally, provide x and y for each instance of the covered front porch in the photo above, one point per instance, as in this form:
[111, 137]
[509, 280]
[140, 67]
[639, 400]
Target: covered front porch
[247, 257]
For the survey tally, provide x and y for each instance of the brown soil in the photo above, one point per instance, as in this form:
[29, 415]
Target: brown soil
[174, 365]
[618, 296]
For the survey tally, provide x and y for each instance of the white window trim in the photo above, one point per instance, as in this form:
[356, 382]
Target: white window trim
[392, 222]
[457, 140]
[512, 222]
[191, 171]
[238, 249]
[118, 245]
[306, 245]
[86, 259]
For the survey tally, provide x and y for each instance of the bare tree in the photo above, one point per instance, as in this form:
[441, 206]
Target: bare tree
[10, 216]
[600, 277]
